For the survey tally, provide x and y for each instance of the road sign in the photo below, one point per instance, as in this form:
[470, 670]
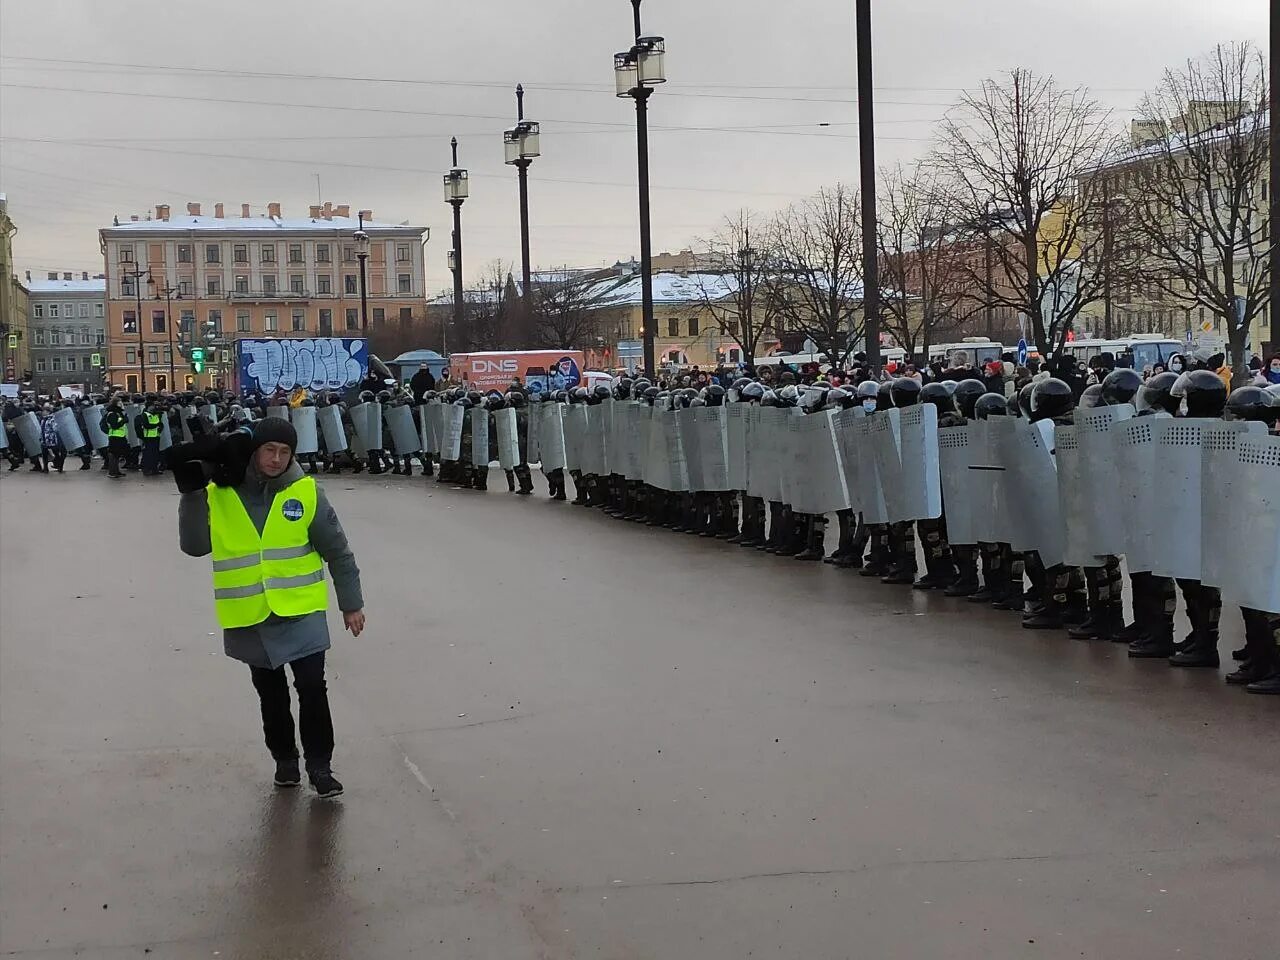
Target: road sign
[1206, 326]
[1022, 353]
[13, 341]
[95, 359]
[1190, 336]
[197, 359]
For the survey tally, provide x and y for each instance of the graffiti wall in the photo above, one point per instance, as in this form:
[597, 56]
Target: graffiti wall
[319, 363]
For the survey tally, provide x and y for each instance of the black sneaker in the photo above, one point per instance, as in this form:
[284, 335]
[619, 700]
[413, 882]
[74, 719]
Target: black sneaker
[287, 774]
[326, 784]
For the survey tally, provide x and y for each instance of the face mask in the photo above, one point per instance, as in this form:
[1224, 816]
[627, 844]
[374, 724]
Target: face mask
[869, 406]
[1175, 367]
[1275, 368]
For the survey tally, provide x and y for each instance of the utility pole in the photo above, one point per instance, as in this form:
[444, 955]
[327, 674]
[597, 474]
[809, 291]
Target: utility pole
[1273, 81]
[1106, 259]
[867, 176]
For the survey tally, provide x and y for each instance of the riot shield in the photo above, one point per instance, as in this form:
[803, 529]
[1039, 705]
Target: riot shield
[280, 411]
[918, 448]
[593, 441]
[1071, 497]
[366, 419]
[736, 442]
[451, 442]
[64, 420]
[479, 437]
[843, 429]
[956, 455]
[1253, 540]
[93, 426]
[765, 453]
[1225, 506]
[607, 410]
[551, 437]
[883, 429]
[574, 422]
[304, 423]
[504, 423]
[131, 412]
[403, 432]
[1136, 459]
[820, 486]
[166, 434]
[28, 430]
[687, 425]
[986, 469]
[677, 464]
[1101, 517]
[713, 447]
[1175, 497]
[188, 413]
[335, 436]
[1033, 479]
[425, 440]
[4, 437]
[533, 435]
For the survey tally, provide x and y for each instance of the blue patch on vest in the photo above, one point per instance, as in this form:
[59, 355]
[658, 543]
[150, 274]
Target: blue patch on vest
[292, 510]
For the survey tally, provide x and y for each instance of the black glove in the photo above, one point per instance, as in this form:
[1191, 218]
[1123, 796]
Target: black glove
[192, 464]
[231, 459]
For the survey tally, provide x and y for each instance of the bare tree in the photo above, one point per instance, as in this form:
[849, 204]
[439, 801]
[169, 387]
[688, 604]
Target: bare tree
[922, 276]
[1193, 188]
[735, 289]
[815, 277]
[566, 308]
[490, 311]
[1015, 155]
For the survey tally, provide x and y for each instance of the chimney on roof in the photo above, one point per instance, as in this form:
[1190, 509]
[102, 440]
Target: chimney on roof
[162, 211]
[328, 210]
[219, 210]
[366, 215]
[84, 275]
[53, 275]
[244, 210]
[28, 276]
[343, 210]
[193, 209]
[273, 210]
[313, 211]
[66, 276]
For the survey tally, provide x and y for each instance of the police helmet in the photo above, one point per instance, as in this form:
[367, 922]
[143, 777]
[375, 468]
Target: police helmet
[475, 397]
[741, 383]
[813, 397]
[904, 392]
[1121, 385]
[990, 405]
[516, 399]
[697, 402]
[840, 398]
[578, 395]
[714, 394]
[1092, 397]
[640, 386]
[384, 396]
[308, 402]
[950, 385]
[622, 389]
[752, 392]
[1051, 398]
[966, 394]
[768, 399]
[1204, 392]
[366, 396]
[1024, 400]
[938, 395]
[602, 392]
[788, 396]
[650, 395]
[867, 390]
[1157, 394]
[884, 396]
[1252, 403]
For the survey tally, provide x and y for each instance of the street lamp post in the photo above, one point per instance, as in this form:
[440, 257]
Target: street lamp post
[168, 293]
[636, 72]
[456, 191]
[867, 177]
[362, 254]
[137, 274]
[520, 145]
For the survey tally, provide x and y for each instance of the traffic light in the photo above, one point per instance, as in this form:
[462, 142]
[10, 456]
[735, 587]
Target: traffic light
[197, 359]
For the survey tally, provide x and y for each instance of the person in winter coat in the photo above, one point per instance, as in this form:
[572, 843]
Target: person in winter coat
[270, 530]
[421, 382]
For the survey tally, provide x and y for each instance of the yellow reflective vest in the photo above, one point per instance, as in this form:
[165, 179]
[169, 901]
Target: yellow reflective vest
[278, 572]
[152, 427]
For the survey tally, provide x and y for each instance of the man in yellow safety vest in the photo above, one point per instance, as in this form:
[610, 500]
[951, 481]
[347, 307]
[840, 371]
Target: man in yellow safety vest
[270, 531]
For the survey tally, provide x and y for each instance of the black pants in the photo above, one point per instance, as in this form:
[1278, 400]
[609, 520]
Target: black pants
[151, 457]
[54, 457]
[313, 711]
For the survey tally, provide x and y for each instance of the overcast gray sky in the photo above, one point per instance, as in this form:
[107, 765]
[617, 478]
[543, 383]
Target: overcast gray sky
[736, 126]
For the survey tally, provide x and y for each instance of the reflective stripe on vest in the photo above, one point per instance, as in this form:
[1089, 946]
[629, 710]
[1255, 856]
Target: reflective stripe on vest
[120, 431]
[278, 572]
[151, 430]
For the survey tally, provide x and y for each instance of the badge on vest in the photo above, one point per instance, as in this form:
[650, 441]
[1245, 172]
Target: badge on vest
[292, 510]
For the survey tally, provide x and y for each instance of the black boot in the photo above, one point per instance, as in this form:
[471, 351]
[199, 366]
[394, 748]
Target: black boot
[816, 535]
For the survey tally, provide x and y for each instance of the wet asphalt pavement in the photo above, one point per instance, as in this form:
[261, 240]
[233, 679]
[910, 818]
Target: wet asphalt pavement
[570, 737]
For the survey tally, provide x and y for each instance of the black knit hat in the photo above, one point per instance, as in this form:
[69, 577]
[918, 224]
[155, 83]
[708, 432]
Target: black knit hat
[275, 430]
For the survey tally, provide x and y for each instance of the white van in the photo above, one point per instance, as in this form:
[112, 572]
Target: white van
[1148, 349]
[971, 351]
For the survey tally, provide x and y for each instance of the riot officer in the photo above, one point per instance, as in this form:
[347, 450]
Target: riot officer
[115, 425]
[838, 398]
[753, 509]
[812, 528]
[518, 400]
[875, 398]
[904, 392]
[965, 398]
[148, 426]
[940, 570]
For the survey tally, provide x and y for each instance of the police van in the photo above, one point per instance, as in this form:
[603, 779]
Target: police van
[798, 360]
[1148, 349]
[971, 351]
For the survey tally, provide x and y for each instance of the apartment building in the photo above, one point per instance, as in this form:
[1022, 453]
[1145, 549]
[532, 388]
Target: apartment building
[68, 328]
[247, 275]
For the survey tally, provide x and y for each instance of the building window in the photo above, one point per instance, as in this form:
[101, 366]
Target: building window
[404, 283]
[98, 310]
[184, 253]
[153, 355]
[168, 355]
[184, 289]
[322, 253]
[130, 354]
[673, 327]
[126, 254]
[402, 253]
[71, 364]
[127, 287]
[53, 310]
[242, 321]
[84, 336]
[38, 311]
[68, 310]
[162, 381]
[272, 324]
[353, 319]
[186, 321]
[242, 283]
[57, 365]
[268, 253]
[131, 383]
[693, 326]
[83, 311]
[86, 363]
[326, 322]
[215, 321]
[348, 253]
[295, 283]
[406, 313]
[240, 253]
[157, 321]
[40, 365]
[212, 253]
[39, 336]
[295, 253]
[213, 286]
[379, 314]
[324, 283]
[269, 285]
[99, 337]
[349, 284]
[673, 356]
[299, 320]
[55, 337]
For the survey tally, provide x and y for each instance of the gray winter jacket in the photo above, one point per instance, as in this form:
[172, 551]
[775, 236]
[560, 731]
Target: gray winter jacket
[277, 640]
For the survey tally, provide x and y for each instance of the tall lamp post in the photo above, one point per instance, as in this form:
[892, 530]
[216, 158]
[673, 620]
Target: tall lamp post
[138, 273]
[520, 145]
[867, 176]
[456, 191]
[168, 293]
[636, 72]
[362, 254]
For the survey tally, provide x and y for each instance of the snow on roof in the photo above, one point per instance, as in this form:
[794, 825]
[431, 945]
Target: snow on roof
[1175, 143]
[667, 288]
[206, 224]
[67, 286]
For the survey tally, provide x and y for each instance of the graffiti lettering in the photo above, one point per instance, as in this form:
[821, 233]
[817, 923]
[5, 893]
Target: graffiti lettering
[319, 363]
